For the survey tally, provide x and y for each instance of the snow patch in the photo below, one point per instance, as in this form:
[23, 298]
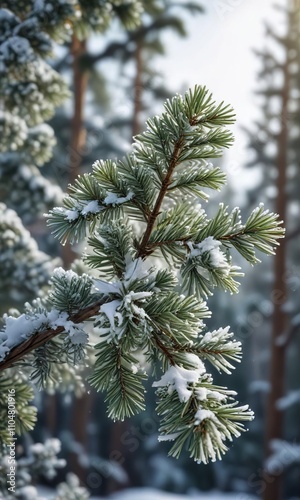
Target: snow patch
[153, 494]
[110, 311]
[202, 414]
[92, 207]
[114, 199]
[71, 215]
[178, 378]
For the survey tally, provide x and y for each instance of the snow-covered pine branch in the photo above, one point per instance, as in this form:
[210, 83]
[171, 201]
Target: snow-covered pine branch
[142, 312]
[31, 89]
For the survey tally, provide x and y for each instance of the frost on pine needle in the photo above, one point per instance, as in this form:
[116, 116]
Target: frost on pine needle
[156, 256]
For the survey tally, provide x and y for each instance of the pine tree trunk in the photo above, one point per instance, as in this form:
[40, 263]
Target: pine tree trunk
[137, 89]
[78, 133]
[81, 407]
[275, 417]
[118, 430]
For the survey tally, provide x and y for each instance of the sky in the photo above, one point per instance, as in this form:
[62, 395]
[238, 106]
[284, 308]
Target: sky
[218, 54]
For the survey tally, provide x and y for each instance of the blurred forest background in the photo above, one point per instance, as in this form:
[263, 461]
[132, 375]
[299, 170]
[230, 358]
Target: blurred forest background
[248, 54]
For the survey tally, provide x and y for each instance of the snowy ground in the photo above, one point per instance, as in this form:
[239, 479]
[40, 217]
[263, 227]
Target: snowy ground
[152, 494]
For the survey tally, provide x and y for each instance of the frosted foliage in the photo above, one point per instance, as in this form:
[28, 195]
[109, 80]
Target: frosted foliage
[8, 21]
[76, 332]
[23, 267]
[113, 199]
[43, 458]
[36, 148]
[39, 40]
[86, 208]
[16, 50]
[145, 314]
[22, 180]
[71, 489]
[202, 414]
[13, 132]
[137, 269]
[92, 207]
[114, 315]
[29, 95]
[39, 145]
[209, 255]
[38, 93]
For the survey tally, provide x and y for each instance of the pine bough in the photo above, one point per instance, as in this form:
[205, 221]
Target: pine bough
[156, 257]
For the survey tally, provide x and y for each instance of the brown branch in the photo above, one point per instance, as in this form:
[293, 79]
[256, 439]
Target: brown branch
[137, 88]
[41, 337]
[164, 349]
[143, 251]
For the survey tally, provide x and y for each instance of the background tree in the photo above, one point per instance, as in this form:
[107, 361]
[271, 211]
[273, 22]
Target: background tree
[274, 141]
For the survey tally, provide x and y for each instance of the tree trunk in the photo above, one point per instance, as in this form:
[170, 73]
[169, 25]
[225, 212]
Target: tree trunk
[137, 89]
[78, 132]
[81, 406]
[275, 417]
[81, 409]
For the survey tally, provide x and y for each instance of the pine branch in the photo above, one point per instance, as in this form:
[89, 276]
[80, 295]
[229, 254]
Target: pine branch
[143, 251]
[41, 337]
[143, 309]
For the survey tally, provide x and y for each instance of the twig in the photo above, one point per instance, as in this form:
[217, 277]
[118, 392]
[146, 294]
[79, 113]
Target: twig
[41, 337]
[143, 252]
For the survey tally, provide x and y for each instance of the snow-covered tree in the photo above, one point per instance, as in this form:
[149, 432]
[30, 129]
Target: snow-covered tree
[30, 92]
[24, 268]
[40, 462]
[155, 257]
